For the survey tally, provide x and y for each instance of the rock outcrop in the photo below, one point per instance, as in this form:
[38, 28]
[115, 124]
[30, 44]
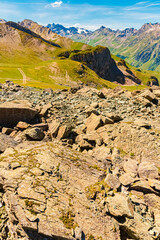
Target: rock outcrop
[99, 60]
[11, 113]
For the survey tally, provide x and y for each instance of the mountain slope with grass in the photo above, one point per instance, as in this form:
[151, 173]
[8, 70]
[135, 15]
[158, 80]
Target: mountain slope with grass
[23, 50]
[35, 56]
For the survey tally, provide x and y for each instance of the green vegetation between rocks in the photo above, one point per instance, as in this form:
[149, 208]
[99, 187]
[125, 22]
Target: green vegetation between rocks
[67, 217]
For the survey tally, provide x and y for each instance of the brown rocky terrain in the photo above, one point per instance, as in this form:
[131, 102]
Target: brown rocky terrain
[79, 164]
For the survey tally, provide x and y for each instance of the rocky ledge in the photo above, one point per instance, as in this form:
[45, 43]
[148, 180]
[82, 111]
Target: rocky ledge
[79, 164]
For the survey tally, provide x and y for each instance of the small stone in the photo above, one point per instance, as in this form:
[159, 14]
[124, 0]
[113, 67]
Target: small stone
[120, 206]
[127, 179]
[15, 165]
[130, 166]
[78, 234]
[148, 95]
[34, 134]
[112, 181]
[7, 131]
[53, 128]
[64, 131]
[45, 109]
[36, 171]
[22, 125]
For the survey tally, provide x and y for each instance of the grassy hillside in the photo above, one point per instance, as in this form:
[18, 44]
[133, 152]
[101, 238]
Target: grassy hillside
[57, 74]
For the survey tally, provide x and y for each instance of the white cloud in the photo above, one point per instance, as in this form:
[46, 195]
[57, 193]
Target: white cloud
[56, 4]
[76, 25]
[143, 5]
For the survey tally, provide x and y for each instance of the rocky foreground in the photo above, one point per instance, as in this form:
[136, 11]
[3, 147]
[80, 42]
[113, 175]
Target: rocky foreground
[79, 164]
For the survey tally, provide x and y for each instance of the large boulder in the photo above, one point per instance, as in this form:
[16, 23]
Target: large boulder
[11, 113]
[93, 122]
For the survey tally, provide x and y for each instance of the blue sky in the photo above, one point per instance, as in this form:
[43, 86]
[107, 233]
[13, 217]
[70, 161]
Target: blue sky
[90, 14]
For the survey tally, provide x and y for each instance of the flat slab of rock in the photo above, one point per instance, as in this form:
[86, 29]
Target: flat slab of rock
[12, 113]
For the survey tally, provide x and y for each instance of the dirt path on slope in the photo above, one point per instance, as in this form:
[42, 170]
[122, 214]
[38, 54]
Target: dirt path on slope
[23, 75]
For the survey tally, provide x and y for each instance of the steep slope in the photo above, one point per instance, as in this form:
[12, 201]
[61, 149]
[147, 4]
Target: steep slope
[100, 60]
[19, 45]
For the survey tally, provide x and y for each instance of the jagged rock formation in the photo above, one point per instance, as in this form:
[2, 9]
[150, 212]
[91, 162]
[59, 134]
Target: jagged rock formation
[88, 169]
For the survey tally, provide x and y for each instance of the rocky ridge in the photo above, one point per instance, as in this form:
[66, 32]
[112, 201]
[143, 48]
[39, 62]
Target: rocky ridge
[85, 166]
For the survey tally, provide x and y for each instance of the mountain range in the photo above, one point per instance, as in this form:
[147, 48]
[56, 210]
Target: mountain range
[140, 48]
[67, 32]
[42, 58]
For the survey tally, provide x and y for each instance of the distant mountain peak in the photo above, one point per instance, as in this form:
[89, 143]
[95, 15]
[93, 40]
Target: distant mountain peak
[102, 27]
[2, 20]
[67, 31]
[148, 26]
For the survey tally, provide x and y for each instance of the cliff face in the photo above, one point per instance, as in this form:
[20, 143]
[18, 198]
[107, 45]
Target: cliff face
[99, 60]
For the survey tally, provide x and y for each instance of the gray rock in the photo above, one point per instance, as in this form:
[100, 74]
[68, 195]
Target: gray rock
[34, 134]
